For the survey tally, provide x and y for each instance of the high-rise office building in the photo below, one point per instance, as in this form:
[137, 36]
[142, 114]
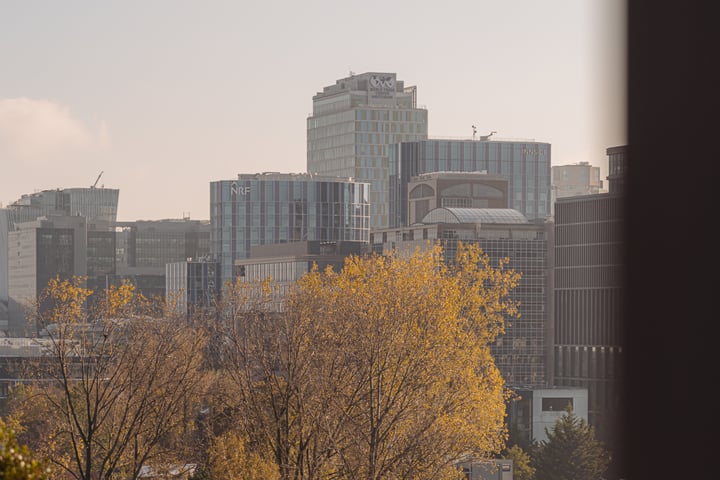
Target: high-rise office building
[352, 124]
[576, 179]
[268, 208]
[617, 166]
[95, 204]
[524, 163]
[4, 296]
[144, 248]
[589, 299]
[53, 246]
[192, 286]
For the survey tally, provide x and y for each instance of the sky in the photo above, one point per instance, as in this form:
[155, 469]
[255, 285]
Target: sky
[158, 98]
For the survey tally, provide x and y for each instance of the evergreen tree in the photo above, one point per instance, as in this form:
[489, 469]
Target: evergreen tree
[571, 452]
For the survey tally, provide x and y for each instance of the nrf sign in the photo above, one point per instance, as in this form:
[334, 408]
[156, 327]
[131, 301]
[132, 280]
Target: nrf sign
[235, 189]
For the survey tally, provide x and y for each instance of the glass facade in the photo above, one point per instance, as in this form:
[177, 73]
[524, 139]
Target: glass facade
[143, 248]
[352, 124]
[100, 259]
[617, 164]
[55, 250]
[95, 204]
[192, 285]
[155, 243]
[267, 209]
[525, 164]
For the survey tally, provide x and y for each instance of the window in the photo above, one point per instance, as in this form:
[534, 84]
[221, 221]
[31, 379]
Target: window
[557, 404]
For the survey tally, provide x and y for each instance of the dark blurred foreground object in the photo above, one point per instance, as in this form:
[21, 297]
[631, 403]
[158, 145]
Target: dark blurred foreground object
[672, 247]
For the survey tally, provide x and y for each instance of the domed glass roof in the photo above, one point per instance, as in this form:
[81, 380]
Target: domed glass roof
[475, 215]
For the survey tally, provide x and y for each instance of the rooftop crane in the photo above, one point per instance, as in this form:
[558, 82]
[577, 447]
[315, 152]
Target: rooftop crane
[484, 138]
[96, 180]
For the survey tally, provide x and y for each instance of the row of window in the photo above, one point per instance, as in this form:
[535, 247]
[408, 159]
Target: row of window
[244, 192]
[588, 317]
[604, 276]
[588, 233]
[574, 256]
[586, 362]
[603, 208]
[414, 115]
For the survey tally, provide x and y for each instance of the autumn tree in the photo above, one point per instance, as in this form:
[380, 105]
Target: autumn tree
[230, 457]
[408, 380]
[380, 370]
[16, 460]
[268, 384]
[571, 451]
[117, 389]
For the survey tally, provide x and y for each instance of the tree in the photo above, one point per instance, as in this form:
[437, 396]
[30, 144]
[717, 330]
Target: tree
[522, 467]
[231, 458]
[117, 390]
[269, 388]
[571, 451]
[409, 383]
[16, 461]
[380, 370]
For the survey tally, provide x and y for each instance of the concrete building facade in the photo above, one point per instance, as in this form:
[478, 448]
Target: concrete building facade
[433, 190]
[38, 251]
[589, 301]
[576, 179]
[533, 410]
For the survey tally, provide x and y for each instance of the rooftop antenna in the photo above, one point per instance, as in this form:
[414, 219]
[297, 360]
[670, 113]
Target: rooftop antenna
[474, 131]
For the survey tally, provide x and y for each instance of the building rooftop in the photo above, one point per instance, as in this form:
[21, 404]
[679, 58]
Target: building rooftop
[294, 177]
[475, 215]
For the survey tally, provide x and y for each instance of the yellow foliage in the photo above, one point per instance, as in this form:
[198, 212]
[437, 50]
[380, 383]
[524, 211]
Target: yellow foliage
[116, 387]
[230, 458]
[404, 357]
[63, 300]
[379, 370]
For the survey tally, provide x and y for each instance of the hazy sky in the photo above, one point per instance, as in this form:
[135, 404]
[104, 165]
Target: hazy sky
[164, 97]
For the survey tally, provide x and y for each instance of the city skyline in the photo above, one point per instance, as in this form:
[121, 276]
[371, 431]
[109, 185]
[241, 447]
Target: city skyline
[158, 102]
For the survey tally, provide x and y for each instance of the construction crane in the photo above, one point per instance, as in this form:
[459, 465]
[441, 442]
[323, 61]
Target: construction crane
[484, 138]
[97, 180]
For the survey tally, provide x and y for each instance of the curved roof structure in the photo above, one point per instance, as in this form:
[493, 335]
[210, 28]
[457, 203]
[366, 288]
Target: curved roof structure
[475, 215]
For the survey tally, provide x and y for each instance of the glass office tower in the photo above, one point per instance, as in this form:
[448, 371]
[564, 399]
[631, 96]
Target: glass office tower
[271, 208]
[352, 124]
[95, 204]
[525, 164]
